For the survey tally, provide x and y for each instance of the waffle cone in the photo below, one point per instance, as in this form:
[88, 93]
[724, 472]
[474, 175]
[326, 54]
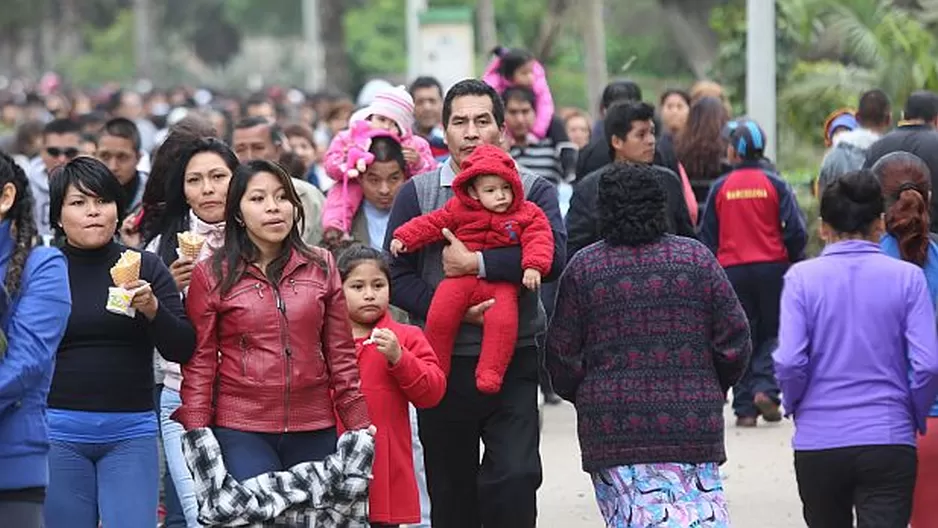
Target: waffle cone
[127, 268]
[190, 244]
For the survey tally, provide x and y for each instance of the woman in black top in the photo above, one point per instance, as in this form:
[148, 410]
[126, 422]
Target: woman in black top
[103, 461]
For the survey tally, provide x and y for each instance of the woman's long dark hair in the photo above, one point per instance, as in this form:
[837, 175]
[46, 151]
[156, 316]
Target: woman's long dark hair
[239, 251]
[181, 135]
[906, 184]
[175, 216]
[700, 146]
[23, 223]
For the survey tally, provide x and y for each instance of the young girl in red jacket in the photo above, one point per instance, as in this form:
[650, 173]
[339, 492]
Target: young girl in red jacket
[397, 367]
[488, 210]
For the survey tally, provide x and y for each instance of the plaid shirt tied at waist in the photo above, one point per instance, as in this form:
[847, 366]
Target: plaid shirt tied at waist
[328, 494]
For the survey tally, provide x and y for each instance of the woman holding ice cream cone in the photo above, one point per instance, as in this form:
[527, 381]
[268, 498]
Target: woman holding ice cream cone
[275, 360]
[191, 228]
[103, 465]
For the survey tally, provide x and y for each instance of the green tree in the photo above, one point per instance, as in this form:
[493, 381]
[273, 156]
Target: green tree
[375, 40]
[110, 53]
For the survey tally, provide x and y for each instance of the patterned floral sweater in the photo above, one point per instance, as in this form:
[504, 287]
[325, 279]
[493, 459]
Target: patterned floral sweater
[645, 341]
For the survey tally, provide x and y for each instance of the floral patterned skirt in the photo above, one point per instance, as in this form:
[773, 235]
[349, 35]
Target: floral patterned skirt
[666, 495]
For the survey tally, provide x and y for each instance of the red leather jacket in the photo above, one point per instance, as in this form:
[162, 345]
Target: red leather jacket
[272, 353]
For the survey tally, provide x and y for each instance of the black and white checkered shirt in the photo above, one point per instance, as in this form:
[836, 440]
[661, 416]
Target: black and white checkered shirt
[328, 494]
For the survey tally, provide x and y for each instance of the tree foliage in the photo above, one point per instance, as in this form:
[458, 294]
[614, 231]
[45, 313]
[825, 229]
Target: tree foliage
[829, 51]
[116, 43]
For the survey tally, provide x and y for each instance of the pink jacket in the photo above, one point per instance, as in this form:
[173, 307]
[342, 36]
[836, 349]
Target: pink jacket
[544, 102]
[343, 201]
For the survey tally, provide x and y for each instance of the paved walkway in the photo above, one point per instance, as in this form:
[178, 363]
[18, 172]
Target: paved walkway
[760, 478]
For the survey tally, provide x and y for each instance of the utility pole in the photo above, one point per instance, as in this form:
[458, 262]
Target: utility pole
[312, 43]
[414, 8]
[594, 32]
[143, 43]
[760, 69]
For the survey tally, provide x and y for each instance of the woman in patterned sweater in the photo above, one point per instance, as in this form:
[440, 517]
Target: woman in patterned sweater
[646, 338]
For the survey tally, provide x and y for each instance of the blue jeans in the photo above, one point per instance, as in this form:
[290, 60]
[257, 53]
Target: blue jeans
[174, 517]
[172, 431]
[115, 483]
[248, 454]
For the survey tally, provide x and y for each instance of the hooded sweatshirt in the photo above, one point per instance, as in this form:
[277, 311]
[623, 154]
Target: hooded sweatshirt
[847, 155]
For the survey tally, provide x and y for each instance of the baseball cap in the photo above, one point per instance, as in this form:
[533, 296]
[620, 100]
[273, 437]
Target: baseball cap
[747, 138]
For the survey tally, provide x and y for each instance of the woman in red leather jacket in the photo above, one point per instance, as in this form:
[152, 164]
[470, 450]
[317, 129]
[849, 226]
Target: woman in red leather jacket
[274, 352]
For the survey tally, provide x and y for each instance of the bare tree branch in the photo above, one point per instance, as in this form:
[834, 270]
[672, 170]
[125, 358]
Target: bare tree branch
[550, 28]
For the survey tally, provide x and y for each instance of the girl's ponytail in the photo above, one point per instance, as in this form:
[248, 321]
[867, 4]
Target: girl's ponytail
[907, 219]
[906, 186]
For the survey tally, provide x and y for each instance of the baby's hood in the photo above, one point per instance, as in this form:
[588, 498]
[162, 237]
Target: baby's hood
[488, 160]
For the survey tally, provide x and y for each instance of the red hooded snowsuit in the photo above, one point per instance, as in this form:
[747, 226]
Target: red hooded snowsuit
[523, 223]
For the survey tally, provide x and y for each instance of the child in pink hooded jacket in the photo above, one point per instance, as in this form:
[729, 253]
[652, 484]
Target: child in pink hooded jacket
[517, 67]
[392, 110]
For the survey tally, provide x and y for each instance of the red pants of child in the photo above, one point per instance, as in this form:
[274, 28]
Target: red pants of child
[453, 297]
[924, 503]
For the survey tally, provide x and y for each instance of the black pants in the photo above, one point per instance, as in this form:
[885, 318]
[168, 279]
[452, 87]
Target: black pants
[876, 481]
[21, 514]
[759, 288]
[502, 492]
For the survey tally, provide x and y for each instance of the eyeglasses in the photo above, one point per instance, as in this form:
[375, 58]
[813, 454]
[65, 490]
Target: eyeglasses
[68, 152]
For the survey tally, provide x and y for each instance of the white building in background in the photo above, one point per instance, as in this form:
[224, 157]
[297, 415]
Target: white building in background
[446, 45]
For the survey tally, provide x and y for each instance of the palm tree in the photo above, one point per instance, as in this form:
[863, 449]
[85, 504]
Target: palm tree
[879, 45]
[866, 44]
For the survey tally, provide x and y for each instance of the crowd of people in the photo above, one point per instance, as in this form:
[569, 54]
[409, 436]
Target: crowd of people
[428, 266]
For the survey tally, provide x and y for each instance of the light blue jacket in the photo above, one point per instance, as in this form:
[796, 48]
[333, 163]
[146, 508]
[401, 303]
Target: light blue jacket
[34, 322]
[890, 246]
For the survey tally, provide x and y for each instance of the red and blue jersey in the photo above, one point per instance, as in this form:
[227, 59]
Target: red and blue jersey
[751, 217]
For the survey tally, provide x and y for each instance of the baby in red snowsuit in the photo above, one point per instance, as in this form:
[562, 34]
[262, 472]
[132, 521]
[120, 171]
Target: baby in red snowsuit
[488, 211]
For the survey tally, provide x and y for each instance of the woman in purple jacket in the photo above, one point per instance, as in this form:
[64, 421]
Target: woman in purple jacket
[857, 363]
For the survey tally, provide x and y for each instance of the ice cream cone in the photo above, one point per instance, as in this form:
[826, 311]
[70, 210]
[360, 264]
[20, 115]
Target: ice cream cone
[127, 268]
[190, 244]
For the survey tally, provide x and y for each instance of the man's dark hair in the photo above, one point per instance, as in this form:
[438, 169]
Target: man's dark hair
[425, 82]
[276, 133]
[632, 205]
[122, 128]
[92, 118]
[619, 92]
[619, 119]
[521, 94]
[61, 126]
[473, 87]
[874, 108]
[388, 149]
[921, 105]
[255, 99]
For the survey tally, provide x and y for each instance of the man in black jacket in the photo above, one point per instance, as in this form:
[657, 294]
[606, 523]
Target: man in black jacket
[630, 128]
[915, 134]
[595, 155]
